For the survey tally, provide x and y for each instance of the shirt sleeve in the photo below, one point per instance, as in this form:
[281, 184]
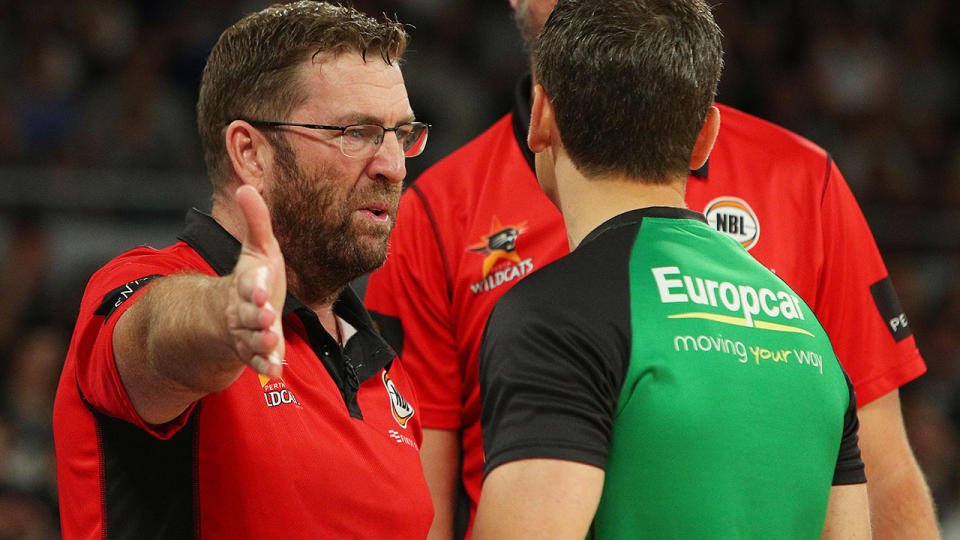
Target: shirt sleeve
[850, 468]
[109, 293]
[549, 382]
[409, 300]
[856, 302]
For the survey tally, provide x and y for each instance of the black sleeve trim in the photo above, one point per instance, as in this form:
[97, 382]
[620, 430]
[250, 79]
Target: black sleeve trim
[543, 449]
[113, 299]
[849, 469]
[888, 304]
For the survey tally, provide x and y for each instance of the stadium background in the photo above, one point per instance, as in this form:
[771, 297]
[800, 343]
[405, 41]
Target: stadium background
[99, 153]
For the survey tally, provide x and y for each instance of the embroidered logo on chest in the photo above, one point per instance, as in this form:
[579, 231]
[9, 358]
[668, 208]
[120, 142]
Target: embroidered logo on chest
[499, 249]
[401, 409]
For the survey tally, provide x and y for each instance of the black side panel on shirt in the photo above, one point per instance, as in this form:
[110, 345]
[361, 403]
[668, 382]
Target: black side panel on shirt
[147, 482]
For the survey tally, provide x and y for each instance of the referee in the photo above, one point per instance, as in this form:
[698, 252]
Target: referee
[658, 381]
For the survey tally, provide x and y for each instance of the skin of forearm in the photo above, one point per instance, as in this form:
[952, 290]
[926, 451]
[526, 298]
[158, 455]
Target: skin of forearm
[900, 502]
[186, 338]
[172, 346]
[901, 505]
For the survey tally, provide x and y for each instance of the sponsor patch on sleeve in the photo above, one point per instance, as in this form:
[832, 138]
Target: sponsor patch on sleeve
[889, 307]
[113, 299]
[390, 328]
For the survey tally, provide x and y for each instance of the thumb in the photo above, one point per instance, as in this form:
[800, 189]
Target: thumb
[259, 230]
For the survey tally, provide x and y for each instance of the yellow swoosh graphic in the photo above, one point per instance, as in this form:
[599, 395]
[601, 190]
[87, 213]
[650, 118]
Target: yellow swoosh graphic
[740, 321]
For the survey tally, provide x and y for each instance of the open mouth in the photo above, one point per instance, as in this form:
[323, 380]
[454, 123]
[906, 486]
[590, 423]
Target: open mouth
[377, 212]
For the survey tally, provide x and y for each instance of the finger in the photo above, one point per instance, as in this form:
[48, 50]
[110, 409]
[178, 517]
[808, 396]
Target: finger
[247, 316]
[259, 235]
[264, 367]
[257, 342]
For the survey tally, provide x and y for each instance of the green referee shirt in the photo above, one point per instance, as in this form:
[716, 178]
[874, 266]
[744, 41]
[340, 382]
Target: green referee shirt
[661, 351]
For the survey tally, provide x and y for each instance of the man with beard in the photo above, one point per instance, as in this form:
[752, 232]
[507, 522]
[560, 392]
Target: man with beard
[232, 385]
[779, 195]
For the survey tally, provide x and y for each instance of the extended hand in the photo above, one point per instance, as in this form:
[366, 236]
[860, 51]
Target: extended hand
[258, 290]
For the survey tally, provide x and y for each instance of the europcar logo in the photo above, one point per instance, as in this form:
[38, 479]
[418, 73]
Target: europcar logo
[401, 409]
[500, 244]
[734, 217]
[741, 302]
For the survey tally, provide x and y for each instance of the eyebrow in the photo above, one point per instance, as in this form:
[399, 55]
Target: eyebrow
[361, 118]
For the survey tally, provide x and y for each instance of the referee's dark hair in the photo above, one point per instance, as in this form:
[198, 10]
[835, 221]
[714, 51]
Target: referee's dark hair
[251, 71]
[631, 82]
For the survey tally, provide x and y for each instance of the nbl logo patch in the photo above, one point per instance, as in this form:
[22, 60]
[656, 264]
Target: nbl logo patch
[735, 218]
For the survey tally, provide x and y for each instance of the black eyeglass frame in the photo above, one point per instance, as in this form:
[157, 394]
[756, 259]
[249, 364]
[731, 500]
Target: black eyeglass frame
[343, 129]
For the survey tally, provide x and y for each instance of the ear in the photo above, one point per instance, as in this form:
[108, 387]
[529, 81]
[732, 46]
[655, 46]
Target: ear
[543, 125]
[248, 150]
[706, 138]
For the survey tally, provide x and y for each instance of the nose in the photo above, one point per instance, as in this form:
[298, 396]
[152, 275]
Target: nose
[389, 161]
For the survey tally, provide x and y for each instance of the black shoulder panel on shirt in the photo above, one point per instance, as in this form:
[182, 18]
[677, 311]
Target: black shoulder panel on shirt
[113, 299]
[147, 482]
[555, 354]
[889, 307]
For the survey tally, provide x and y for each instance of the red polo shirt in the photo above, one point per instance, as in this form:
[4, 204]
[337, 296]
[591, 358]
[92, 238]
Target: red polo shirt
[317, 453]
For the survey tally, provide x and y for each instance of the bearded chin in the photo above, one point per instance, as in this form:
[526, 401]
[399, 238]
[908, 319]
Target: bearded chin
[324, 259]
[323, 250]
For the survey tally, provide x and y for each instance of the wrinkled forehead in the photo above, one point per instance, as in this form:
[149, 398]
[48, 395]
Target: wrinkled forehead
[347, 88]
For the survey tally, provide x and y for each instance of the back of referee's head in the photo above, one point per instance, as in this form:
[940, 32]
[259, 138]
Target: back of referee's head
[630, 82]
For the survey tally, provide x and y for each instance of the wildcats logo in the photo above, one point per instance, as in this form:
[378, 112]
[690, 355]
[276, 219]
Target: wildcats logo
[401, 409]
[734, 217]
[275, 392]
[500, 244]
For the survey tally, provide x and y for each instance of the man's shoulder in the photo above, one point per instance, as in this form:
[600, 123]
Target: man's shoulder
[467, 167]
[144, 260]
[748, 131]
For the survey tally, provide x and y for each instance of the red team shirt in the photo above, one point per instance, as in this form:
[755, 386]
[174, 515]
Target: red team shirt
[307, 455]
[477, 222]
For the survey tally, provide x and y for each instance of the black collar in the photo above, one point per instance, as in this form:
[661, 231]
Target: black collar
[221, 250]
[636, 216]
[521, 123]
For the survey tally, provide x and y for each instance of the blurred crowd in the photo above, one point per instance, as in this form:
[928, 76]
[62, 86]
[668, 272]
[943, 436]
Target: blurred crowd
[99, 152]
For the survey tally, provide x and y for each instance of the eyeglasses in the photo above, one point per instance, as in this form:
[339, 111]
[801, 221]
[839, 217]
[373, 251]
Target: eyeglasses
[362, 140]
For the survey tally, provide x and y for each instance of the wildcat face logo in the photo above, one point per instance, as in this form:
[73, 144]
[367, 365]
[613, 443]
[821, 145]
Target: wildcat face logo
[401, 409]
[500, 245]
